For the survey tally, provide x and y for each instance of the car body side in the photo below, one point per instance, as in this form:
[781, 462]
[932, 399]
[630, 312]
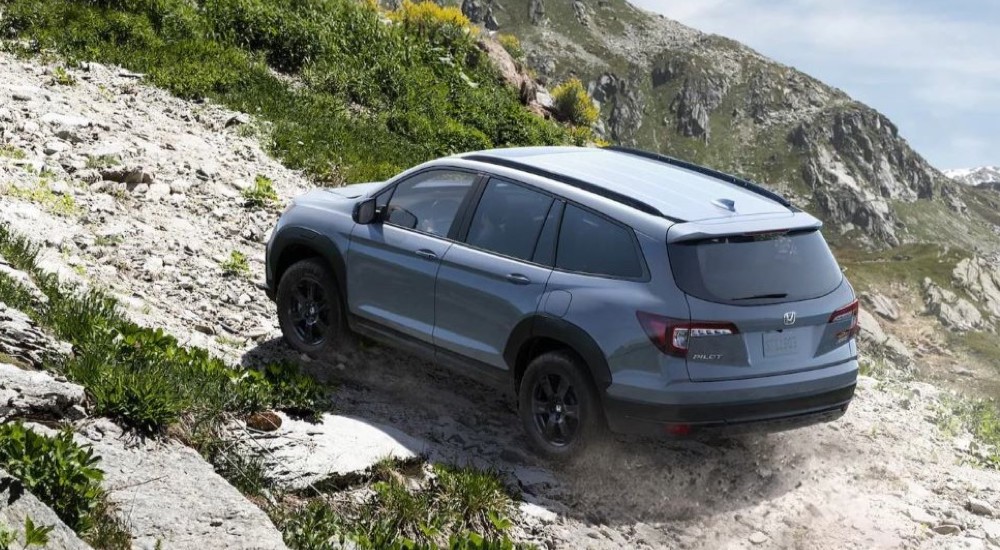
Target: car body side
[641, 389]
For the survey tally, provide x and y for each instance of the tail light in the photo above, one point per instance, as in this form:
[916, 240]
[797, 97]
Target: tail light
[848, 313]
[671, 336]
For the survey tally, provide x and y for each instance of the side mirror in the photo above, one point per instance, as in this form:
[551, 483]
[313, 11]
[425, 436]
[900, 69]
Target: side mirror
[365, 212]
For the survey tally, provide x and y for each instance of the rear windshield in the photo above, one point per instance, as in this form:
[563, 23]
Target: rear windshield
[755, 269]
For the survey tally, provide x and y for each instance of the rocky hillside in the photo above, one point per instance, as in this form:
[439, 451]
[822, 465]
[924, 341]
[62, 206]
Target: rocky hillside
[127, 189]
[670, 88]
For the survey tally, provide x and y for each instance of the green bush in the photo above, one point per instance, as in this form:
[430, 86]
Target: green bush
[370, 87]
[573, 103]
[59, 472]
[236, 265]
[512, 45]
[261, 193]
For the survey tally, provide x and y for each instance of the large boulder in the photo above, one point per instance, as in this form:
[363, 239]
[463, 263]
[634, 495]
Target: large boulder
[954, 312]
[169, 495]
[17, 504]
[299, 453]
[23, 342]
[980, 277]
[37, 394]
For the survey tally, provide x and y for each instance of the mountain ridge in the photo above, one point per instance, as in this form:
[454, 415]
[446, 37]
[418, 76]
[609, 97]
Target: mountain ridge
[709, 99]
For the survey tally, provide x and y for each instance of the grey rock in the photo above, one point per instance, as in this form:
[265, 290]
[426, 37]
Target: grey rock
[180, 186]
[128, 176]
[980, 277]
[55, 147]
[300, 453]
[158, 191]
[882, 305]
[166, 492]
[536, 12]
[758, 538]
[69, 134]
[954, 312]
[947, 529]
[238, 119]
[980, 507]
[17, 504]
[22, 340]
[480, 12]
[72, 121]
[36, 393]
[920, 515]
[624, 102]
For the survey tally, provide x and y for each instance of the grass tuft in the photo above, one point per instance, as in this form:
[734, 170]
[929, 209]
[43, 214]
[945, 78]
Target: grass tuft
[236, 265]
[261, 193]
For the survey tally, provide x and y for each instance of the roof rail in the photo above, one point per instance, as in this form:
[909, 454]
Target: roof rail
[574, 182]
[729, 178]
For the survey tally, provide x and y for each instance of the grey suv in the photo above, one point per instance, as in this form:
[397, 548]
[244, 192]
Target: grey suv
[606, 287]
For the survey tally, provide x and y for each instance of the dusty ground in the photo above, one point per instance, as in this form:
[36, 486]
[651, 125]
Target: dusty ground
[883, 476]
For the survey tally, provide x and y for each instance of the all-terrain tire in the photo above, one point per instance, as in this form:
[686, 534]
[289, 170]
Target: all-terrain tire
[559, 406]
[309, 308]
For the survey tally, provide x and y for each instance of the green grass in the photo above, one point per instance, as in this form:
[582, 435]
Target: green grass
[11, 152]
[143, 377]
[983, 345]
[102, 161]
[456, 508]
[908, 263]
[236, 265]
[62, 77]
[261, 193]
[376, 97]
[41, 194]
[65, 476]
[981, 418]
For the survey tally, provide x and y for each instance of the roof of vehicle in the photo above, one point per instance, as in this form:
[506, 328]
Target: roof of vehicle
[651, 183]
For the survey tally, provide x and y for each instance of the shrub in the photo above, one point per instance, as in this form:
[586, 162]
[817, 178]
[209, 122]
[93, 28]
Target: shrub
[41, 194]
[573, 104]
[10, 151]
[34, 535]
[512, 45]
[61, 77]
[261, 193]
[236, 265]
[59, 472]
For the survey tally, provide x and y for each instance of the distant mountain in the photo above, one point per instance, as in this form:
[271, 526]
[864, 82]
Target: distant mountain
[988, 176]
[667, 87]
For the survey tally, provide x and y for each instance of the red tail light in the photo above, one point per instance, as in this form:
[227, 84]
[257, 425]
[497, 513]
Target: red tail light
[842, 315]
[671, 336]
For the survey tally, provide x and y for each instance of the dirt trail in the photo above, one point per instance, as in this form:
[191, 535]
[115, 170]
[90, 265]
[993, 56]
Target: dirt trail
[883, 476]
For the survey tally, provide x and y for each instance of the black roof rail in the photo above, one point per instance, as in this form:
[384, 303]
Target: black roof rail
[728, 178]
[574, 182]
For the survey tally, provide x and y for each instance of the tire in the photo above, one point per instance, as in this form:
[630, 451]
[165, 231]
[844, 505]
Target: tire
[309, 308]
[559, 428]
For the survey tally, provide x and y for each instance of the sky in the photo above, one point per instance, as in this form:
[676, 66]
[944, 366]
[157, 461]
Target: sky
[932, 66]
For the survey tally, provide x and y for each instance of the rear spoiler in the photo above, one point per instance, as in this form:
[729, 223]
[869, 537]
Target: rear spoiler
[742, 225]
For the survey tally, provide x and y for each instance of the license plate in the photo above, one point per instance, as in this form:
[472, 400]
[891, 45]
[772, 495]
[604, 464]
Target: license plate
[780, 343]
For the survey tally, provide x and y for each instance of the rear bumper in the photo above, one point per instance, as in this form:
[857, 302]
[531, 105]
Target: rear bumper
[788, 402]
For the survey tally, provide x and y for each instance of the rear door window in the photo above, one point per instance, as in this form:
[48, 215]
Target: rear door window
[755, 269]
[509, 219]
[590, 243]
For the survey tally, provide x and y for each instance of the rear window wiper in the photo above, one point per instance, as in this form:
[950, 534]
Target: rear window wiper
[761, 297]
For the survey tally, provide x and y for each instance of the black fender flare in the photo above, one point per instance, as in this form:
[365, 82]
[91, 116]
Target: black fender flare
[291, 237]
[560, 330]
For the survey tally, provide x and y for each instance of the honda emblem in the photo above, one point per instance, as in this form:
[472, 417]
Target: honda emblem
[790, 318]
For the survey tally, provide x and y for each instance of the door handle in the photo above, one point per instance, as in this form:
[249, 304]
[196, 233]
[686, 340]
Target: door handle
[427, 254]
[518, 279]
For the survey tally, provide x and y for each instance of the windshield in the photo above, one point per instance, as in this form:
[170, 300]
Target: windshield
[758, 268]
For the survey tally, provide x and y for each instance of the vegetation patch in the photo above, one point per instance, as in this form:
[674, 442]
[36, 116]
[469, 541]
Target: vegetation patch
[370, 98]
[139, 376]
[236, 265]
[61, 77]
[42, 194]
[457, 508]
[573, 103]
[63, 475]
[11, 152]
[34, 535]
[261, 193]
[981, 418]
[512, 45]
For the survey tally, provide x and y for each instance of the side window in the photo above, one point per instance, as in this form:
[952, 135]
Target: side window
[428, 202]
[508, 219]
[589, 243]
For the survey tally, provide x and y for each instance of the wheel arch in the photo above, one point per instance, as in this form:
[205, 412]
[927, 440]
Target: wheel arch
[295, 244]
[540, 334]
